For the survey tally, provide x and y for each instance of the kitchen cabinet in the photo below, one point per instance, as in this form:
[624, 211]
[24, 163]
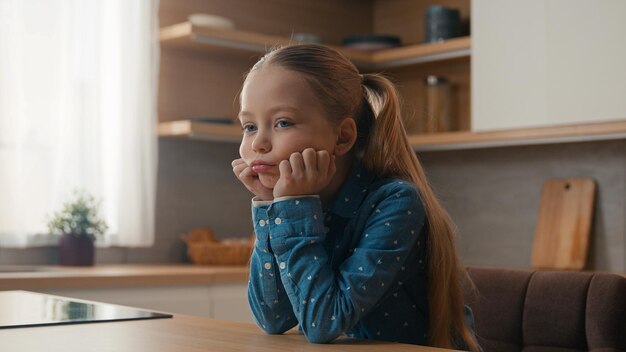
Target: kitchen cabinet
[203, 290]
[547, 63]
[230, 302]
[219, 301]
[494, 77]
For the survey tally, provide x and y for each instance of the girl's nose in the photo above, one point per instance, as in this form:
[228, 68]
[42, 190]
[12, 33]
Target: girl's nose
[261, 143]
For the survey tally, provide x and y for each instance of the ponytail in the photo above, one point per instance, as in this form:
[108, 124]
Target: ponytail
[389, 153]
[388, 150]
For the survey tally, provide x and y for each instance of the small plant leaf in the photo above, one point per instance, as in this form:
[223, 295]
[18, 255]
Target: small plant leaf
[79, 217]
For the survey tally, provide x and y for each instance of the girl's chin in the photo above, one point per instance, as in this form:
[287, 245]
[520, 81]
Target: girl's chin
[268, 181]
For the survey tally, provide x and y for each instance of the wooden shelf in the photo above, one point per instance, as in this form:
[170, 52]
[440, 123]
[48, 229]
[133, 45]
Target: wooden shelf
[517, 137]
[200, 130]
[185, 35]
[421, 53]
[436, 141]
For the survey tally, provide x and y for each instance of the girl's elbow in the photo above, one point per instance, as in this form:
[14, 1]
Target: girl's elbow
[273, 330]
[320, 336]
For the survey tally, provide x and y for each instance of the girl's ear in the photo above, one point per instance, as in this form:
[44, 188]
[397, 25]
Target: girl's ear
[346, 136]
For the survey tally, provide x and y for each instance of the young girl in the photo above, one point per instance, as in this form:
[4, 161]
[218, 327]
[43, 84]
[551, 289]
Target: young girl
[350, 238]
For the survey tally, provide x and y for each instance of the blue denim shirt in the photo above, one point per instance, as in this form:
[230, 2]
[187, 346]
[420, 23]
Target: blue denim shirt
[357, 268]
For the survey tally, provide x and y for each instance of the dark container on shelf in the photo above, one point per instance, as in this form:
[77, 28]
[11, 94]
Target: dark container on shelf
[441, 23]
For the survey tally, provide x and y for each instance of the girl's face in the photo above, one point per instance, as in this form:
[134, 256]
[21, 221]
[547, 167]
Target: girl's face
[280, 115]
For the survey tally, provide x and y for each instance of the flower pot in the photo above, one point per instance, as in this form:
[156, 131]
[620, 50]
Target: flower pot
[76, 250]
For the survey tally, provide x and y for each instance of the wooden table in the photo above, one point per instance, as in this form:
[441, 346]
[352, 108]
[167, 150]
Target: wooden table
[178, 334]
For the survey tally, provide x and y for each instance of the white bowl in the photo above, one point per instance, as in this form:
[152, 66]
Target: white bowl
[206, 20]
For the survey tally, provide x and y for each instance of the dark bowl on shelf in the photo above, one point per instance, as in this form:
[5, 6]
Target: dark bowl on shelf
[217, 120]
[371, 42]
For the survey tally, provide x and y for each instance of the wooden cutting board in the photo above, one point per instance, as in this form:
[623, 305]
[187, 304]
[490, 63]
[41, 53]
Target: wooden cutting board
[564, 224]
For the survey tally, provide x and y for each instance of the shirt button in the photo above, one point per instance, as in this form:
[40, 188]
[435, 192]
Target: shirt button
[282, 265]
[267, 265]
[278, 221]
[262, 222]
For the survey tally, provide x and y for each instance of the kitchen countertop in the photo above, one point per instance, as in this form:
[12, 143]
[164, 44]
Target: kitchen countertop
[33, 277]
[180, 334]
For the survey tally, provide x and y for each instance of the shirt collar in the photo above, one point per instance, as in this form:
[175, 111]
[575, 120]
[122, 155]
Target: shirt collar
[352, 192]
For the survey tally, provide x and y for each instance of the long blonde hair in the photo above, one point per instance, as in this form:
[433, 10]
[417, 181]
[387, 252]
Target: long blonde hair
[373, 102]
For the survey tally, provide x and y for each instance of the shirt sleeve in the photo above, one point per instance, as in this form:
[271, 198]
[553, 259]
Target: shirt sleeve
[328, 304]
[268, 301]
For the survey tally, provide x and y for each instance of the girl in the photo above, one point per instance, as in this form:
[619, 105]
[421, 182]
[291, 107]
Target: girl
[350, 238]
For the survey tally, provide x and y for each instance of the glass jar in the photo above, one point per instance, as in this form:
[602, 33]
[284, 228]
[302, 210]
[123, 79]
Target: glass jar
[437, 99]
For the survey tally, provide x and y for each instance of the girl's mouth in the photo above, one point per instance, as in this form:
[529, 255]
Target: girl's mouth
[260, 166]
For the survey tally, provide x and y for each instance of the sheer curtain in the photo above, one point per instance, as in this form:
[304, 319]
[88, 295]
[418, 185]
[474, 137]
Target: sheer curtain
[78, 86]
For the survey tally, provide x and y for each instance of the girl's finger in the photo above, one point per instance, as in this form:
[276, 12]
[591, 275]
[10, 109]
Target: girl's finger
[237, 169]
[285, 169]
[297, 165]
[245, 173]
[238, 166]
[237, 162]
[310, 160]
[332, 167]
[323, 161]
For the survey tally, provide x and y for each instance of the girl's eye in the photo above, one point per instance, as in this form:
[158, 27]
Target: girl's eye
[249, 127]
[283, 123]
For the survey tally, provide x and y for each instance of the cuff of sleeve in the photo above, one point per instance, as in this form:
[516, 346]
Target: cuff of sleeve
[256, 202]
[295, 197]
[263, 203]
[293, 221]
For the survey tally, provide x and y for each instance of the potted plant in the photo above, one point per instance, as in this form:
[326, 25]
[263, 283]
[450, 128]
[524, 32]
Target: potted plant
[79, 225]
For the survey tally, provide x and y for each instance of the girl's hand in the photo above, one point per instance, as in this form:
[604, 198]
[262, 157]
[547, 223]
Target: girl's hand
[305, 173]
[251, 180]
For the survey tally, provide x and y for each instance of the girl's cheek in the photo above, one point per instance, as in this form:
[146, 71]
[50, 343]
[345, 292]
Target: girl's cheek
[243, 149]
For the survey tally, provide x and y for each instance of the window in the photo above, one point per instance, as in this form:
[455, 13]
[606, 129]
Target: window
[78, 86]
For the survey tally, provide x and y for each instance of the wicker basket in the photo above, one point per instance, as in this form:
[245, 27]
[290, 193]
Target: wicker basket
[203, 248]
